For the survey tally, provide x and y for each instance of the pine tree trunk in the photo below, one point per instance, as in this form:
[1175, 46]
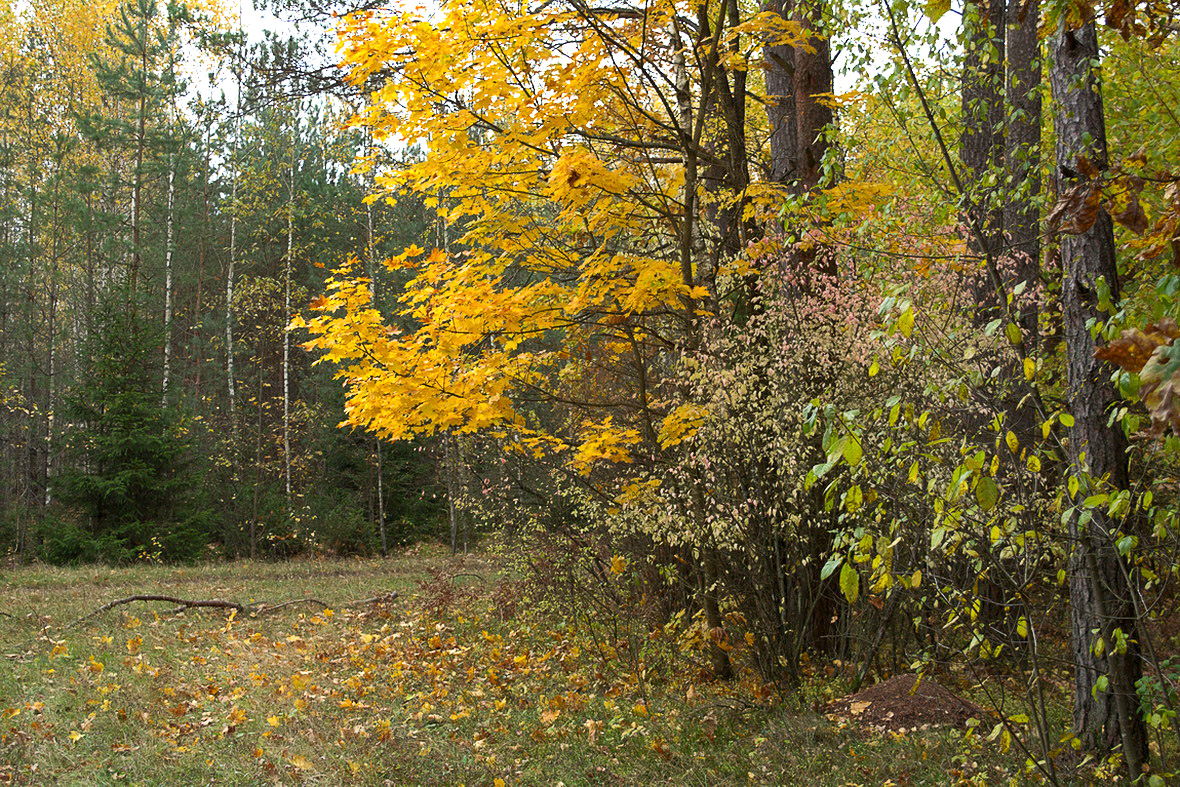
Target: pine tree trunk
[779, 65]
[1023, 160]
[137, 185]
[813, 77]
[51, 344]
[1100, 580]
[982, 144]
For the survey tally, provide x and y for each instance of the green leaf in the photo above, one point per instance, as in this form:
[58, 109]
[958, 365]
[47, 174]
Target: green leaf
[833, 563]
[987, 493]
[850, 583]
[1066, 419]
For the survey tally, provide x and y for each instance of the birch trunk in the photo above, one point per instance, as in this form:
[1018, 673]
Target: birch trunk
[169, 223]
[287, 337]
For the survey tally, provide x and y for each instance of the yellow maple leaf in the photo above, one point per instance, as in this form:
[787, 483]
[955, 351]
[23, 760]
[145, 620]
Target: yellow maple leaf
[302, 763]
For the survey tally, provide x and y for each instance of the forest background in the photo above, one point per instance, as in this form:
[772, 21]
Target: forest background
[835, 375]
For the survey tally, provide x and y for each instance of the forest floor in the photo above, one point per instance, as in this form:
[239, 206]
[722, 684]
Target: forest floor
[456, 681]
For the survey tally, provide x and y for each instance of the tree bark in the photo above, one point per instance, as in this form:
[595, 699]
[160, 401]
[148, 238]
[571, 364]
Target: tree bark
[779, 64]
[813, 77]
[1023, 160]
[1100, 580]
[170, 220]
[982, 145]
[287, 338]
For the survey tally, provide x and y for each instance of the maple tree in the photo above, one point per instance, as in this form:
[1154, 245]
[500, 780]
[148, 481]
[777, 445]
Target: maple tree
[597, 169]
[568, 146]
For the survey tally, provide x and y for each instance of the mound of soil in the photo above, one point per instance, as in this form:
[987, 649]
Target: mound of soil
[895, 705]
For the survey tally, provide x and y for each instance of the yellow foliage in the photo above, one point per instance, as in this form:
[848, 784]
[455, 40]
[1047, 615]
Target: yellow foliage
[556, 148]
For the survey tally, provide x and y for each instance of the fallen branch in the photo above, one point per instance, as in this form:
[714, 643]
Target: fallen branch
[216, 603]
[183, 603]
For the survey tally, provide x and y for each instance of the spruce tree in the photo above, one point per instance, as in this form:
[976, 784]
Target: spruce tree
[126, 480]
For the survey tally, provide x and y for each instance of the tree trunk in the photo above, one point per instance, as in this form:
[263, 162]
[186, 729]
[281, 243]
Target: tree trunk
[982, 144]
[779, 64]
[450, 453]
[287, 338]
[1100, 581]
[813, 77]
[168, 276]
[1023, 160]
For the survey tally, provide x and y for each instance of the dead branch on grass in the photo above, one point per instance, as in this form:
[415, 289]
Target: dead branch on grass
[216, 603]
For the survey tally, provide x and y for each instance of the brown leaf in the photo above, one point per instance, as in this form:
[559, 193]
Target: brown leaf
[1116, 17]
[1134, 347]
[1133, 217]
[1160, 389]
[1086, 167]
[1077, 210]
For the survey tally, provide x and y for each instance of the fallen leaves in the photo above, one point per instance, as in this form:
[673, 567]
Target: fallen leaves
[459, 682]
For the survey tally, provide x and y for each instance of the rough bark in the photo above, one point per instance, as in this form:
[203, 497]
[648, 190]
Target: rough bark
[1099, 578]
[982, 145]
[813, 77]
[779, 65]
[1023, 159]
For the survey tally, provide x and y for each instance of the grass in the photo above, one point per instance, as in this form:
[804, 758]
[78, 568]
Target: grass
[459, 681]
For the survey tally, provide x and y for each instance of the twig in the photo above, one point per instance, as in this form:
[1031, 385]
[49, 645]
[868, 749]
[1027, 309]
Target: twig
[293, 602]
[364, 602]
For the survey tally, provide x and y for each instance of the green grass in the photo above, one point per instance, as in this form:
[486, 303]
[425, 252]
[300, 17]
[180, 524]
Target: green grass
[456, 682]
